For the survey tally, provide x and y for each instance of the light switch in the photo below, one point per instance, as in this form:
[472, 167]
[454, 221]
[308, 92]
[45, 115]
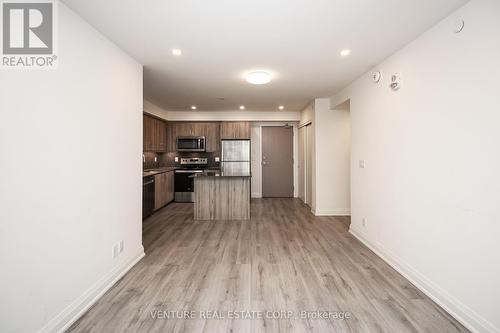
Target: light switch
[176, 159]
[217, 159]
[361, 164]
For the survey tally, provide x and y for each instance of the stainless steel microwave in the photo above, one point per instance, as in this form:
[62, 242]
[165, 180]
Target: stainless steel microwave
[191, 143]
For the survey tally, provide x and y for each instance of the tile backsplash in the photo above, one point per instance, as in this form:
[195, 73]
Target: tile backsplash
[149, 162]
[168, 159]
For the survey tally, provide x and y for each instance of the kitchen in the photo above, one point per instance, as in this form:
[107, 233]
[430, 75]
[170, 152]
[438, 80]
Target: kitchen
[180, 158]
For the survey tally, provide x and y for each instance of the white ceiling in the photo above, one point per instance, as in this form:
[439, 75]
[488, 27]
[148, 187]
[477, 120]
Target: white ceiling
[298, 41]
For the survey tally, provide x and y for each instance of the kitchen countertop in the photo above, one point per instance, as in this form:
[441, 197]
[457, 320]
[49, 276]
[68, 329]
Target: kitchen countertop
[152, 172]
[221, 174]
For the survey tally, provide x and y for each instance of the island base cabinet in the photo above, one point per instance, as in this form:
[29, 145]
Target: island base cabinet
[222, 198]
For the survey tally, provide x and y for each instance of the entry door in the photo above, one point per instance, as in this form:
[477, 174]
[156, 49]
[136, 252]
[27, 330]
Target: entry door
[277, 162]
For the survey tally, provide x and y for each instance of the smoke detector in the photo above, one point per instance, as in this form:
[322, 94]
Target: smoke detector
[395, 81]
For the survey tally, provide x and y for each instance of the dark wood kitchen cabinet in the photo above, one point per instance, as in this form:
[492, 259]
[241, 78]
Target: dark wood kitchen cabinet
[239, 130]
[154, 134]
[160, 136]
[212, 134]
[210, 130]
[171, 137]
[184, 129]
[164, 189]
[147, 133]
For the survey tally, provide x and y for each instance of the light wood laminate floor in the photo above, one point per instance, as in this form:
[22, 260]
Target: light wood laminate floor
[283, 259]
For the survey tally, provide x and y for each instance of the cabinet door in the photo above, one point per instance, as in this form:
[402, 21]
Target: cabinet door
[147, 133]
[160, 190]
[171, 137]
[235, 130]
[170, 186]
[243, 130]
[184, 129]
[212, 134]
[161, 136]
[227, 130]
[199, 129]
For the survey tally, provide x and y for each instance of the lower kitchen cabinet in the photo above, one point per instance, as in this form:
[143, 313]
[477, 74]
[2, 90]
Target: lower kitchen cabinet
[164, 189]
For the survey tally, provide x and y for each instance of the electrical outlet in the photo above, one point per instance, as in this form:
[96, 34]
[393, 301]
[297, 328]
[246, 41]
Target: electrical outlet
[362, 164]
[121, 246]
[115, 251]
[365, 222]
[217, 159]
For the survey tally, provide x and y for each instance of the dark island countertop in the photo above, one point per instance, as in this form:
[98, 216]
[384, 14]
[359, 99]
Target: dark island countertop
[221, 174]
[153, 172]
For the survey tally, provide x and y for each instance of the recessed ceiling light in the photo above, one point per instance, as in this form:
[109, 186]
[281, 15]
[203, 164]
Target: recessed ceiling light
[281, 107]
[193, 107]
[345, 52]
[242, 107]
[176, 52]
[259, 78]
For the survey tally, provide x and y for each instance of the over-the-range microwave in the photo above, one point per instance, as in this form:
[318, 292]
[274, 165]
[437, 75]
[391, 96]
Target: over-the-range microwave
[191, 143]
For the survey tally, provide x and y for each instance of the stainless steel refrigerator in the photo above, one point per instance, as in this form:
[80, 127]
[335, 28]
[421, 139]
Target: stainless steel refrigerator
[235, 157]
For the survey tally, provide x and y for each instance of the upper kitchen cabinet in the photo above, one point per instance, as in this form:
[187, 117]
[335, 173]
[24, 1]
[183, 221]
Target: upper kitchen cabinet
[210, 130]
[212, 134]
[147, 133]
[161, 135]
[184, 129]
[239, 130]
[171, 137]
[154, 134]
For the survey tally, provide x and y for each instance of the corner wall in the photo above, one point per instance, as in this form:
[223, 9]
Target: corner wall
[333, 160]
[70, 175]
[430, 187]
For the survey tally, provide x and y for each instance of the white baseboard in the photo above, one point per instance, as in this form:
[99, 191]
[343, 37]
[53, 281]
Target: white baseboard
[462, 313]
[75, 310]
[331, 212]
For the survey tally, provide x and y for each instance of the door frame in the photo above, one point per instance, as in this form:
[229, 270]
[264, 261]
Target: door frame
[256, 165]
[304, 161]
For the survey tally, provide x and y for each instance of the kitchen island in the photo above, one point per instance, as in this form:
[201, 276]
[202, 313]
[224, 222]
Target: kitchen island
[222, 196]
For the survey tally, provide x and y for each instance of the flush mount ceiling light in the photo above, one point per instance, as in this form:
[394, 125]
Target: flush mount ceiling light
[281, 107]
[193, 107]
[259, 78]
[176, 52]
[242, 107]
[345, 52]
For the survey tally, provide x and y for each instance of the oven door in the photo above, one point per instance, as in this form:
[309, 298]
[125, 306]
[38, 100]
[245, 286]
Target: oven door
[194, 143]
[184, 185]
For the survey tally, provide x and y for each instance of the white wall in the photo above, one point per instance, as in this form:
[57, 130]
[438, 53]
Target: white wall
[70, 174]
[333, 160]
[256, 164]
[430, 189]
